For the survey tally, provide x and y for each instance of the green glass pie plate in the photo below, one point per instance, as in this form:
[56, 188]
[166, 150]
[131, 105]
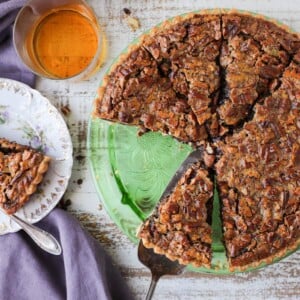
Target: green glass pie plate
[130, 173]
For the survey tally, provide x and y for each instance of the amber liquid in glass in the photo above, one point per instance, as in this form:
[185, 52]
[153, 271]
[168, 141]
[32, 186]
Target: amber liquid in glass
[63, 42]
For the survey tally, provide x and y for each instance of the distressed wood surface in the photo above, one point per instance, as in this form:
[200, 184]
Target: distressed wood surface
[279, 281]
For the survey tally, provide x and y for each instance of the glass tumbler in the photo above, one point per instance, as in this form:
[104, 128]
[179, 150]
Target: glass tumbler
[59, 39]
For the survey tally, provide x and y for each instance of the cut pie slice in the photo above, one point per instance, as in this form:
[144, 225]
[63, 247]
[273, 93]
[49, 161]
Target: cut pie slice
[21, 170]
[188, 54]
[168, 82]
[255, 53]
[179, 227]
[137, 93]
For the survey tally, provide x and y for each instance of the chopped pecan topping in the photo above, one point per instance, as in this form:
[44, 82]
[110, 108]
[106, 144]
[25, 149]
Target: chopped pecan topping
[21, 170]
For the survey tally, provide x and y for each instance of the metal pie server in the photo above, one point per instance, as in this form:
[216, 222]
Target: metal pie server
[159, 264]
[192, 158]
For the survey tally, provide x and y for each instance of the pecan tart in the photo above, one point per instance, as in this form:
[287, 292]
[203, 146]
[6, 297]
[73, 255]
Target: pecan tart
[21, 170]
[229, 80]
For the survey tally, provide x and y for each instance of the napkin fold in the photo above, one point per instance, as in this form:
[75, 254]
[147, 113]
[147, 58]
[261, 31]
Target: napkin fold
[83, 271]
[11, 65]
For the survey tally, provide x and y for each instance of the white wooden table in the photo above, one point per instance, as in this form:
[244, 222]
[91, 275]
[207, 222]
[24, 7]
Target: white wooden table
[279, 281]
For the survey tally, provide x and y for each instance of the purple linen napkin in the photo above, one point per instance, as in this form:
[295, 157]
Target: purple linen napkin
[11, 65]
[82, 272]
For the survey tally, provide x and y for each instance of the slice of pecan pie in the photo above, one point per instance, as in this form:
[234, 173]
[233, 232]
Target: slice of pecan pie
[179, 228]
[168, 82]
[254, 55]
[21, 170]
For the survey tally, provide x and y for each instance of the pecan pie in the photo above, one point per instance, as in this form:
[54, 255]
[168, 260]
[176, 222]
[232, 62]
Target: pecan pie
[21, 170]
[232, 81]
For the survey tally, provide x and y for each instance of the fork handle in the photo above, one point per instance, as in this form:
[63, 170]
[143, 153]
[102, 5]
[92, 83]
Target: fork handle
[154, 280]
[42, 238]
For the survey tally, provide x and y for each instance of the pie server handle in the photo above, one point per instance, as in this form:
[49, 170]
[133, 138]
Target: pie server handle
[42, 238]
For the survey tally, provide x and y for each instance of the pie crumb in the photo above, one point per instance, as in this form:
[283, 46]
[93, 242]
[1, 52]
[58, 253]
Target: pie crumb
[132, 22]
[66, 110]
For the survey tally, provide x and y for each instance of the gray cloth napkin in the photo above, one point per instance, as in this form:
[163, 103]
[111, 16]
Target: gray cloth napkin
[82, 272]
[11, 65]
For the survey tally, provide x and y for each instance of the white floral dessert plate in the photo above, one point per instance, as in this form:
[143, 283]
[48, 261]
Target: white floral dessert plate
[28, 118]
